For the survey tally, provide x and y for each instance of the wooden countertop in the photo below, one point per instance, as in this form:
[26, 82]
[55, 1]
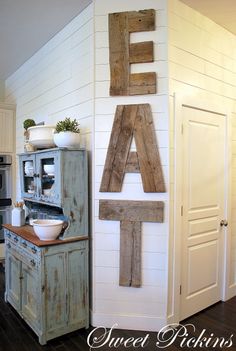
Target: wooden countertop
[27, 232]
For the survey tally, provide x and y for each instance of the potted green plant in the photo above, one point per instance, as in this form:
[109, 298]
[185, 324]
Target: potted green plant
[26, 125]
[66, 133]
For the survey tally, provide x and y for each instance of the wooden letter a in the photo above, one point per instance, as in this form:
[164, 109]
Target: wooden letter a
[133, 120]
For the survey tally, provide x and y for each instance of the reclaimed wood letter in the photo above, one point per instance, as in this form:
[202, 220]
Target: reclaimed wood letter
[131, 214]
[133, 120]
[122, 53]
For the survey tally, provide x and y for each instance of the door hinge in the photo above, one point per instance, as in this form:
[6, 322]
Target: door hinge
[182, 128]
[182, 210]
[180, 289]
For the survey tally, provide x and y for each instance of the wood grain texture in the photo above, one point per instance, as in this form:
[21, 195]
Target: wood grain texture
[27, 232]
[132, 164]
[148, 154]
[122, 54]
[137, 211]
[141, 52]
[142, 83]
[119, 54]
[141, 21]
[130, 254]
[131, 214]
[133, 120]
[118, 150]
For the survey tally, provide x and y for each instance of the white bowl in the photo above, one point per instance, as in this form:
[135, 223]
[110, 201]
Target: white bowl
[47, 229]
[41, 136]
[49, 169]
[67, 139]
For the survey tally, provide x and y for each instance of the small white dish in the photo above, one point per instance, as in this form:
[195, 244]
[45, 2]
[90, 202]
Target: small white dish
[49, 169]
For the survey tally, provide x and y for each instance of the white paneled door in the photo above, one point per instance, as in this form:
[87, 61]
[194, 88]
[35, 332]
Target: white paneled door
[204, 135]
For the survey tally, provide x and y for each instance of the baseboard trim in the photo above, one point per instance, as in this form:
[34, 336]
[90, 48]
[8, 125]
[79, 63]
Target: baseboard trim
[231, 291]
[142, 323]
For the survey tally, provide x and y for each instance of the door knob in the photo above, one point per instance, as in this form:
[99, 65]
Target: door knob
[224, 222]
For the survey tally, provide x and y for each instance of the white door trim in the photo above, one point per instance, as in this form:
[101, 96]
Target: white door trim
[206, 105]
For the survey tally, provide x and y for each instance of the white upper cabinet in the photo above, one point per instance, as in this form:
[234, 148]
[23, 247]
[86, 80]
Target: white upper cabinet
[7, 130]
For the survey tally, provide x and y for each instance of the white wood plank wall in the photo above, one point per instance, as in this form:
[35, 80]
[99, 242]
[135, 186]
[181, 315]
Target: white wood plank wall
[143, 308]
[202, 63]
[57, 81]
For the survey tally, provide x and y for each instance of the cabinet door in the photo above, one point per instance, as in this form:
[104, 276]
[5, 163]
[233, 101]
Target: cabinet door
[7, 143]
[49, 179]
[55, 292]
[77, 287]
[13, 279]
[28, 176]
[30, 296]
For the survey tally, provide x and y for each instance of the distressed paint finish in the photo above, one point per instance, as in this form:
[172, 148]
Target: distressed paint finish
[30, 296]
[70, 189]
[131, 214]
[52, 292]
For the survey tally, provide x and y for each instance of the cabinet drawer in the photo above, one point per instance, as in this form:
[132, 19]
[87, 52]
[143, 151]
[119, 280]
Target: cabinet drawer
[29, 248]
[22, 244]
[23, 254]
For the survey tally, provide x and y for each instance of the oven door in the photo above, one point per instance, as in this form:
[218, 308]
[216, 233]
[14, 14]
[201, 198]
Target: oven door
[5, 217]
[5, 182]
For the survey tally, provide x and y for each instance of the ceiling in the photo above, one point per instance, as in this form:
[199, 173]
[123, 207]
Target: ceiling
[223, 12]
[26, 25]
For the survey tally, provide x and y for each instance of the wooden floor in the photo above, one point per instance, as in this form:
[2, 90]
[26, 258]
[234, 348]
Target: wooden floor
[15, 335]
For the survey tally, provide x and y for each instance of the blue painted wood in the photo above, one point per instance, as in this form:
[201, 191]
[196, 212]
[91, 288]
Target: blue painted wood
[52, 292]
[69, 191]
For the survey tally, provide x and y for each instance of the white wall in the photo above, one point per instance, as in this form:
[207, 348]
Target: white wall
[202, 64]
[2, 90]
[58, 81]
[145, 307]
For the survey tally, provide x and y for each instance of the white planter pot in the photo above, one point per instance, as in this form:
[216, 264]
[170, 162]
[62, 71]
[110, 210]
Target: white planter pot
[67, 139]
[41, 136]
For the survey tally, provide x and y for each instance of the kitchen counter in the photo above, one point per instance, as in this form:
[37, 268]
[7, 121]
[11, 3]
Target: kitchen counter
[27, 232]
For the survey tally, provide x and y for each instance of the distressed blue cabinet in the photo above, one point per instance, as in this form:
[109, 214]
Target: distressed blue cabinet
[48, 285]
[66, 188]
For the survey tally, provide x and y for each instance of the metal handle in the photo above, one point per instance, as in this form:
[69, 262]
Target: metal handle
[32, 262]
[34, 250]
[24, 244]
[224, 222]
[8, 245]
[16, 239]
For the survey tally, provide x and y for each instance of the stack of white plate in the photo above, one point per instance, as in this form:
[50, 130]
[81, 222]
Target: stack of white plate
[29, 169]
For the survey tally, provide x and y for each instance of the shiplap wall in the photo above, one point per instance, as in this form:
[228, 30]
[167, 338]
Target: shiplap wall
[145, 307]
[57, 81]
[202, 64]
